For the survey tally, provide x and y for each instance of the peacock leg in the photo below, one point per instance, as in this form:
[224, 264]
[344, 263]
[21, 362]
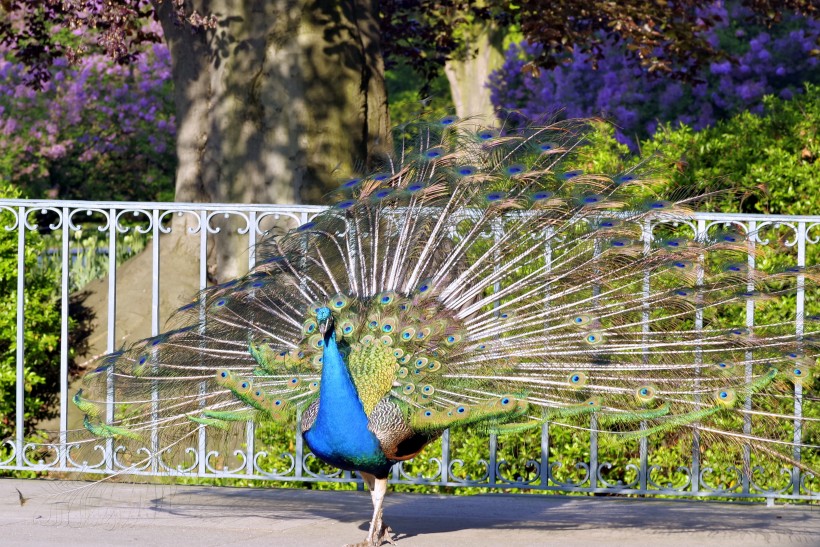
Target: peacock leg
[379, 532]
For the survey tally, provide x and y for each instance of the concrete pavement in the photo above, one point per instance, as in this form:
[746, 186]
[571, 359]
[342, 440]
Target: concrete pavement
[72, 514]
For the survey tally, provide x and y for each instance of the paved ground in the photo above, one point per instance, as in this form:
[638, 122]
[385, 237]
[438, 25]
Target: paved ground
[70, 514]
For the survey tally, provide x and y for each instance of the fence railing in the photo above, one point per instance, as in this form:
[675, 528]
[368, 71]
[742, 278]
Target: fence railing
[543, 467]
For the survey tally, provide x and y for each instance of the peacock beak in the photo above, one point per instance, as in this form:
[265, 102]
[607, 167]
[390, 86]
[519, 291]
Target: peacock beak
[323, 325]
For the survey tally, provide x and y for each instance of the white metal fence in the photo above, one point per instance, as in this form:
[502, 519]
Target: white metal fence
[542, 466]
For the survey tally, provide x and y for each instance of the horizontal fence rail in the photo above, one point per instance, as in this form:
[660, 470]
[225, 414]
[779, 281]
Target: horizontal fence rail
[539, 465]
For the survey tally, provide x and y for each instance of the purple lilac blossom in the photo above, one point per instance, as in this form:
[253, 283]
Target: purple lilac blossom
[89, 113]
[763, 61]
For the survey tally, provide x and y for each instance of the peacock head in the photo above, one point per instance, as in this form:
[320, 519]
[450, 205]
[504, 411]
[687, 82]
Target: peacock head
[325, 320]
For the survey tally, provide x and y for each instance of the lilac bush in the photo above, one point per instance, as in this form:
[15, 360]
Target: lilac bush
[96, 130]
[758, 62]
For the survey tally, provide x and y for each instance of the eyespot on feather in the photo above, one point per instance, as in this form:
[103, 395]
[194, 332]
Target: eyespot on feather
[388, 324]
[581, 320]
[347, 327]
[494, 197]
[725, 397]
[736, 267]
[514, 169]
[309, 327]
[244, 386]
[466, 170]
[646, 394]
[541, 195]
[338, 302]
[460, 411]
[577, 379]
[433, 153]
[594, 338]
[224, 377]
[316, 341]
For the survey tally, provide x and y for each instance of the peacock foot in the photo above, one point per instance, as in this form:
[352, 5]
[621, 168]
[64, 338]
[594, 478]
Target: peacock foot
[384, 536]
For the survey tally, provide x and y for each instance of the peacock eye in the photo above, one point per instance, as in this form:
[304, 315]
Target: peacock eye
[514, 169]
[433, 153]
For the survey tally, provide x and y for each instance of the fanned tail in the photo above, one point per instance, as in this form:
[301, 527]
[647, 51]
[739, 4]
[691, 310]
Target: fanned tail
[510, 287]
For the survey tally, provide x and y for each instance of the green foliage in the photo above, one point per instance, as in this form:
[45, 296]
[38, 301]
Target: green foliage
[42, 327]
[406, 104]
[88, 262]
[96, 130]
[770, 162]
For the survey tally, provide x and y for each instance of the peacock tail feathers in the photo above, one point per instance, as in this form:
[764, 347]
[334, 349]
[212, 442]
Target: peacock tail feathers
[480, 277]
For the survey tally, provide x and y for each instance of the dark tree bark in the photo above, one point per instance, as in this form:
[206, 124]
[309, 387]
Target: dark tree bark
[275, 103]
[276, 98]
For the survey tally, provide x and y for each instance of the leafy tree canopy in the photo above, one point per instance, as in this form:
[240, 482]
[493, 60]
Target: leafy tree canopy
[664, 36]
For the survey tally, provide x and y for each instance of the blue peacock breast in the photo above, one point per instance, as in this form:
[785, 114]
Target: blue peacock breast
[339, 435]
[348, 448]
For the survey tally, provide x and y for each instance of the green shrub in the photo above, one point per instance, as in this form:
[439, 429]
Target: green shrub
[42, 328]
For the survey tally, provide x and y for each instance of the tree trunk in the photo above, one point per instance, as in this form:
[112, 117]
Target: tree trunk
[469, 72]
[275, 104]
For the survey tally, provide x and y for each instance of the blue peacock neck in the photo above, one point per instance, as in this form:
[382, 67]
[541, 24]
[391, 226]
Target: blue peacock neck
[339, 434]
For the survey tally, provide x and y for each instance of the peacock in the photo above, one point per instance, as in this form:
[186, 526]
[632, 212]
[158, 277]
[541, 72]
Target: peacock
[477, 277]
